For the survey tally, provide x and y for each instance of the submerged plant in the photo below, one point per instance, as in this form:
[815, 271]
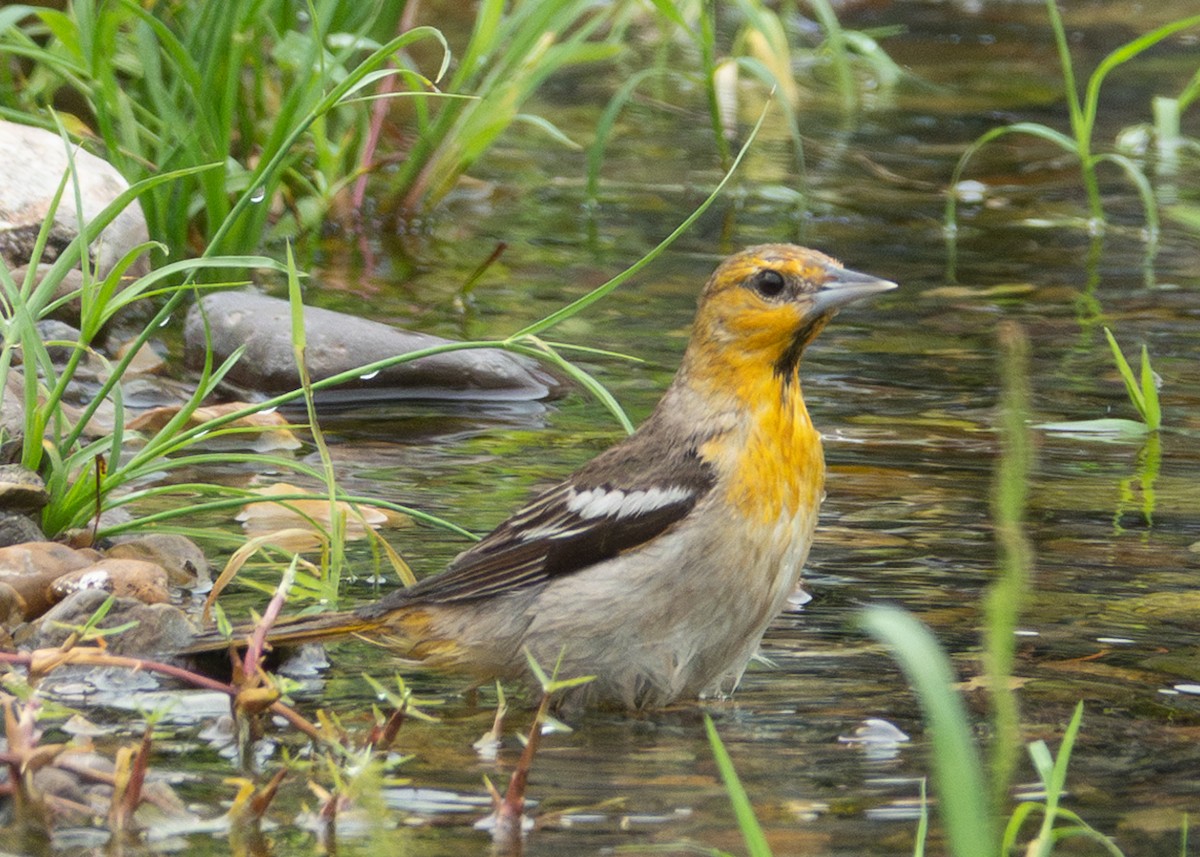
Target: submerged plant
[764, 50]
[970, 807]
[1080, 142]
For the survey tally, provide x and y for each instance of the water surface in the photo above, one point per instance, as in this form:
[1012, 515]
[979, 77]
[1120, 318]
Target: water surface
[904, 390]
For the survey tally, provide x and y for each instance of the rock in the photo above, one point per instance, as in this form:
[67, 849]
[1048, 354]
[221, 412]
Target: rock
[339, 342]
[21, 490]
[125, 578]
[22, 496]
[18, 529]
[161, 629]
[31, 568]
[184, 562]
[32, 163]
[63, 336]
[12, 607]
[12, 408]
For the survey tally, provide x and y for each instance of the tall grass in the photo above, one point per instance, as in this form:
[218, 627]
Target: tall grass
[1083, 112]
[971, 796]
[513, 49]
[225, 85]
[764, 51]
[177, 85]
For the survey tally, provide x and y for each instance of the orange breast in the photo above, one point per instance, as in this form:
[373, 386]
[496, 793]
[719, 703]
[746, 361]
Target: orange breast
[776, 470]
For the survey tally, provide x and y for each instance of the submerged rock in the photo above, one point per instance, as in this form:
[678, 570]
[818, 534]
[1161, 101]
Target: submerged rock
[338, 343]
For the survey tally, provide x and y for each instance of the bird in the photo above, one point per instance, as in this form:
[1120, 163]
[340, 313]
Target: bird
[657, 566]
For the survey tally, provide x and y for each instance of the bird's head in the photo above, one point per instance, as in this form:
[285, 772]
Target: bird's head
[761, 308]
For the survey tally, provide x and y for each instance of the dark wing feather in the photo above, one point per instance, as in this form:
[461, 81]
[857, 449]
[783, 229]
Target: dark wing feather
[556, 534]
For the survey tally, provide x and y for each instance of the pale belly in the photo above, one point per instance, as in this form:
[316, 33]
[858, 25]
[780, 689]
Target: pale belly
[685, 629]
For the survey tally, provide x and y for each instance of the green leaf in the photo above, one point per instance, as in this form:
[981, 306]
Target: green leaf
[1153, 413]
[752, 833]
[1132, 387]
[959, 782]
[1108, 428]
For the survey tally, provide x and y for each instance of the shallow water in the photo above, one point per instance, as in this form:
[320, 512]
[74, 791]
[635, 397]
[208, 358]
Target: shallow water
[904, 390]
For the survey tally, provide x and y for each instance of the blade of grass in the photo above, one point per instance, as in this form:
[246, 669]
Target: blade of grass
[1132, 387]
[962, 796]
[743, 811]
[1002, 604]
[578, 305]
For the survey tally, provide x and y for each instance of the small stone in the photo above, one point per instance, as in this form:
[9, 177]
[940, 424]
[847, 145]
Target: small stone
[160, 629]
[21, 490]
[125, 578]
[183, 560]
[30, 569]
[146, 361]
[16, 529]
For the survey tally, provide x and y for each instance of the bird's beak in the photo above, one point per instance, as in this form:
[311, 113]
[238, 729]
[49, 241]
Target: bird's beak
[845, 286]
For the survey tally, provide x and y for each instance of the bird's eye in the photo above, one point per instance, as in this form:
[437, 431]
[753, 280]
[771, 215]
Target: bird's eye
[770, 284]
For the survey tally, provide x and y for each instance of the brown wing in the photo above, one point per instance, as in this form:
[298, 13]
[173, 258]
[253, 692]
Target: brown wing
[620, 500]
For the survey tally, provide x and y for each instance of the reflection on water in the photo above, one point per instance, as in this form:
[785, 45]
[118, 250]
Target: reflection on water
[904, 390]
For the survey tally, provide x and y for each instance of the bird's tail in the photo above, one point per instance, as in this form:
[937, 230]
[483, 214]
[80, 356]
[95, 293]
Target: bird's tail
[290, 631]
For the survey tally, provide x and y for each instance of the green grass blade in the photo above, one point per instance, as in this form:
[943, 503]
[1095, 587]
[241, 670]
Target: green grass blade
[959, 781]
[922, 823]
[1032, 128]
[1055, 783]
[1070, 85]
[1150, 393]
[1002, 604]
[1128, 51]
[585, 380]
[1145, 191]
[836, 44]
[1132, 387]
[577, 306]
[752, 833]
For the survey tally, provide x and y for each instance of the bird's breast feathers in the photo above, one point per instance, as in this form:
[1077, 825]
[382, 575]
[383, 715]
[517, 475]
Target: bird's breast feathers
[774, 468]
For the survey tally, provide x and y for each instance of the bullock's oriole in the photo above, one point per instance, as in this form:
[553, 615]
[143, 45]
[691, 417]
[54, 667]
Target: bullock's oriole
[658, 565]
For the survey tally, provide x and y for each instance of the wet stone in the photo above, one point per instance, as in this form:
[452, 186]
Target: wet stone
[126, 578]
[31, 568]
[183, 561]
[32, 164]
[338, 342]
[161, 629]
[21, 490]
[12, 607]
[16, 529]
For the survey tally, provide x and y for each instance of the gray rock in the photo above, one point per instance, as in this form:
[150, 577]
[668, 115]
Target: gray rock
[182, 558]
[32, 163]
[161, 629]
[339, 342]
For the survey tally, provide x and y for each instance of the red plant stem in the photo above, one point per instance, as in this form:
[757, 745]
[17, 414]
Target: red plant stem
[513, 806]
[258, 640]
[43, 661]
